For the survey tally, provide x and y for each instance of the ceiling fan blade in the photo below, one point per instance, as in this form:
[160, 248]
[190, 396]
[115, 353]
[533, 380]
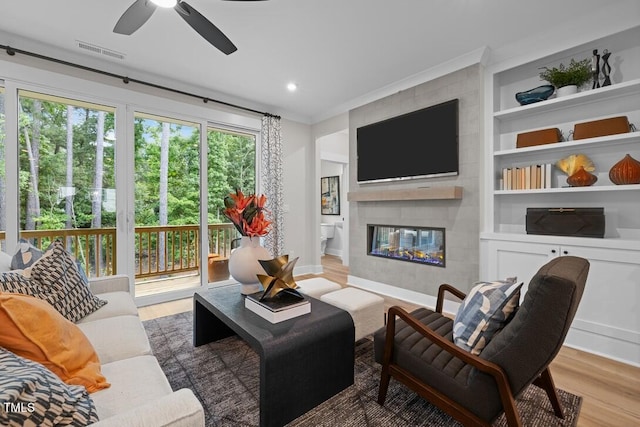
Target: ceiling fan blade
[205, 28]
[134, 17]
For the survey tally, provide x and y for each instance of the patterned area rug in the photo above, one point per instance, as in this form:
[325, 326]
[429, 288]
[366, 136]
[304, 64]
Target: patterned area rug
[224, 376]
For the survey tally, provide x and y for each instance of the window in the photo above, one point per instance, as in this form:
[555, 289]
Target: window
[67, 177]
[231, 165]
[167, 203]
[167, 200]
[65, 161]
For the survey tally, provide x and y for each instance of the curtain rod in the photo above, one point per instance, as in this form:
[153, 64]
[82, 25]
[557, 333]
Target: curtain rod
[11, 51]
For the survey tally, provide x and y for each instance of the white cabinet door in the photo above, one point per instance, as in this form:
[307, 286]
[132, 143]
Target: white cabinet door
[608, 318]
[523, 260]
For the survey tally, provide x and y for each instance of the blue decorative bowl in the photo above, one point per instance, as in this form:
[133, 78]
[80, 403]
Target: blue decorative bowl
[537, 94]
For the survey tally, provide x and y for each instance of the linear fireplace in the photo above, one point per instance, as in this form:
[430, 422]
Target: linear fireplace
[423, 245]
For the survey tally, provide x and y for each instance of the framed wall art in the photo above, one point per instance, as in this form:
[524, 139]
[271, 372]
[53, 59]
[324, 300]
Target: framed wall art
[330, 195]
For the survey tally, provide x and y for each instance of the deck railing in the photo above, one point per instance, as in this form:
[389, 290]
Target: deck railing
[95, 249]
[159, 250]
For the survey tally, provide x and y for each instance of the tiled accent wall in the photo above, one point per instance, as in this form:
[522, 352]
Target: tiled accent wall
[460, 218]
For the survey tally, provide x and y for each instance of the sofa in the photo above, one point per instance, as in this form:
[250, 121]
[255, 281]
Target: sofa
[139, 393]
[132, 390]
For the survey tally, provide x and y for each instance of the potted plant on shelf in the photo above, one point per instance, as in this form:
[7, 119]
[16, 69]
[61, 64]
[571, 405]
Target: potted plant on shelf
[567, 80]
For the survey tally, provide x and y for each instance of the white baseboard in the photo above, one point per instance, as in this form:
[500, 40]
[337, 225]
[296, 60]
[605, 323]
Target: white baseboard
[606, 341]
[334, 252]
[307, 269]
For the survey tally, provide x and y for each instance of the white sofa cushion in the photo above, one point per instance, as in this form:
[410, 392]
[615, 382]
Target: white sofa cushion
[105, 284]
[5, 262]
[178, 409]
[118, 304]
[117, 338]
[134, 382]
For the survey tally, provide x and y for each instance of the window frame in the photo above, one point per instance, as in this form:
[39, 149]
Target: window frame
[86, 87]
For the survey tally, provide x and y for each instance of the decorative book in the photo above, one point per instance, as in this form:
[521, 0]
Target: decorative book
[283, 307]
[530, 177]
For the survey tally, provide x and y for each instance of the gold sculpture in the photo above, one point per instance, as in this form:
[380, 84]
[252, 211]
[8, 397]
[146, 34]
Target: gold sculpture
[572, 164]
[279, 277]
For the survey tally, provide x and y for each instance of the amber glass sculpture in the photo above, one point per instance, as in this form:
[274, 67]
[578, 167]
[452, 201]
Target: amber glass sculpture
[626, 171]
[582, 178]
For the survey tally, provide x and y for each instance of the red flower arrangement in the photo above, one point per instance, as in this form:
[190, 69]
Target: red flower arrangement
[247, 213]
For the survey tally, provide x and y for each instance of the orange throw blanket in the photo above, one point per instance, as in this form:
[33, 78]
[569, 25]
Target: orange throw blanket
[33, 329]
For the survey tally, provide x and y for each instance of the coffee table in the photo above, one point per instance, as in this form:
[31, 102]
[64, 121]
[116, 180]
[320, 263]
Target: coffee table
[303, 361]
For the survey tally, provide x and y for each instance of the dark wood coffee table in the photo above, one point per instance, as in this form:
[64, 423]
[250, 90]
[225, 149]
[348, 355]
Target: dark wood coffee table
[303, 361]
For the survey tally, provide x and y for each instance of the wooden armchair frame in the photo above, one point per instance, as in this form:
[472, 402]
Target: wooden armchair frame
[434, 396]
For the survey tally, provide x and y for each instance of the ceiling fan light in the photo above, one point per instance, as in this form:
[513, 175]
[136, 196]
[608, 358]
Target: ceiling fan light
[165, 3]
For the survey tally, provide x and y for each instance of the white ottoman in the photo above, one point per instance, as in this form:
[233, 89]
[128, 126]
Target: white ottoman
[366, 309]
[317, 286]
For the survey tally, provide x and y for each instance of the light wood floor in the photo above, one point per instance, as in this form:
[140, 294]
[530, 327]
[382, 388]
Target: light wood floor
[610, 390]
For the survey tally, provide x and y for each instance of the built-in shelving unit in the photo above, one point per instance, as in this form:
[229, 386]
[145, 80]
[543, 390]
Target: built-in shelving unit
[606, 322]
[505, 211]
[572, 145]
[589, 96]
[423, 193]
[590, 189]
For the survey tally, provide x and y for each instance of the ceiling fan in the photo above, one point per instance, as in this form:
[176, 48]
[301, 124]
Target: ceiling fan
[141, 10]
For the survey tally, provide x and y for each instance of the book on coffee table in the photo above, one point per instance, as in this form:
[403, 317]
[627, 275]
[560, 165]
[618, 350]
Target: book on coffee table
[279, 309]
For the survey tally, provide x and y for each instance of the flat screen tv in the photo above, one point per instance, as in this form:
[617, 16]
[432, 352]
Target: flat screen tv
[420, 144]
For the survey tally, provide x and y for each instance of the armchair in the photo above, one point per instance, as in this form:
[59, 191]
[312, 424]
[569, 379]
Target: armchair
[418, 349]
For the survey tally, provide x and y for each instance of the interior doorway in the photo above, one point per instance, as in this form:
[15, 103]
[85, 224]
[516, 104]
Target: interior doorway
[332, 205]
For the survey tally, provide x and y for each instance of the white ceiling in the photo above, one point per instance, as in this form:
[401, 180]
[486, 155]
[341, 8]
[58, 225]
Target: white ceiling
[339, 52]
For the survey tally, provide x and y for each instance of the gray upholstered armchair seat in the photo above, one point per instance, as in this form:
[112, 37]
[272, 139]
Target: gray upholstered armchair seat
[434, 365]
[418, 350]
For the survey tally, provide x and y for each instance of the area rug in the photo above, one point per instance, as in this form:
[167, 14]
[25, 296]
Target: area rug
[224, 375]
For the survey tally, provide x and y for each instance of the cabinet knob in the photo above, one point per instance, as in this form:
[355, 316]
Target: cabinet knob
[553, 251]
[565, 252]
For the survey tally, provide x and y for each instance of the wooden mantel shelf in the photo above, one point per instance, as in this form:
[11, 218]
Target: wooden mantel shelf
[424, 193]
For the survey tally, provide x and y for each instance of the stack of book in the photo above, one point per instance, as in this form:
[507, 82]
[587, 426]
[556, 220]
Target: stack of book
[278, 309]
[527, 177]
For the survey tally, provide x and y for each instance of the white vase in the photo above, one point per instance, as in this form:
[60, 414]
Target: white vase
[244, 265]
[566, 90]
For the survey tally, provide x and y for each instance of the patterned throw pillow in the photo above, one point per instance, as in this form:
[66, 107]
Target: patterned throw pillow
[33, 395]
[62, 285]
[55, 278]
[18, 283]
[484, 311]
[25, 256]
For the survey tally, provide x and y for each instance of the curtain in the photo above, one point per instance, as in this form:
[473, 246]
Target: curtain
[271, 170]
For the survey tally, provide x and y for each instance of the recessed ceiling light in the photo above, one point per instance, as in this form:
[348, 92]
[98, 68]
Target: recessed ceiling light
[291, 87]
